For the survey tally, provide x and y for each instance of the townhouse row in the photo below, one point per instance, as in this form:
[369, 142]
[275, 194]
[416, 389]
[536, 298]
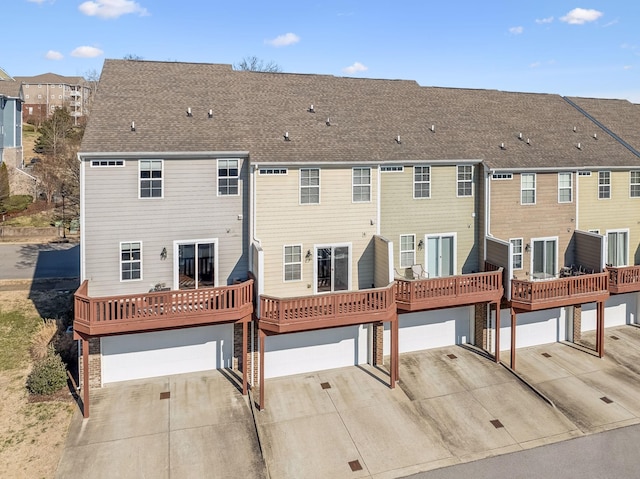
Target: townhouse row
[281, 224]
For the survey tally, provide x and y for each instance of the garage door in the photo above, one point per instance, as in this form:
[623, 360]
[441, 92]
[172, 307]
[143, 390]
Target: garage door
[538, 327]
[431, 329]
[146, 355]
[297, 353]
[619, 309]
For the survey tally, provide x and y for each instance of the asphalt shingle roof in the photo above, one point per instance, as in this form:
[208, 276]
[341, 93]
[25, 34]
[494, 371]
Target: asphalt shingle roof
[252, 111]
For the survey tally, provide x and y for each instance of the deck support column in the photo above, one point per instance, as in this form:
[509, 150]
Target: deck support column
[497, 349]
[85, 377]
[600, 329]
[261, 335]
[514, 321]
[244, 358]
[393, 367]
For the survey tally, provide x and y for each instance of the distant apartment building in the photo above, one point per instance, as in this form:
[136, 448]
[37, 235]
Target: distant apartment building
[10, 120]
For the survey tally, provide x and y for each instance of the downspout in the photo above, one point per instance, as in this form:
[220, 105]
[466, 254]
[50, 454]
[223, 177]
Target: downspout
[83, 273]
[379, 201]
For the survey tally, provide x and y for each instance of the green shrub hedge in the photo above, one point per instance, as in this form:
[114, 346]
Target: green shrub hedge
[47, 376]
[16, 203]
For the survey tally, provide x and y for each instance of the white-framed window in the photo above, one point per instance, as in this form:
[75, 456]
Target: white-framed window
[422, 182]
[528, 188]
[465, 180]
[634, 184]
[228, 176]
[273, 171]
[584, 173]
[106, 163]
[565, 187]
[604, 185]
[407, 251]
[151, 178]
[292, 262]
[502, 176]
[361, 185]
[309, 186]
[391, 169]
[517, 253]
[131, 261]
[617, 247]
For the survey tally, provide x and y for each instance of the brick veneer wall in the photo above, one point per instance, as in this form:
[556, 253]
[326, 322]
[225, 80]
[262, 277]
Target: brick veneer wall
[577, 323]
[481, 338]
[95, 364]
[378, 344]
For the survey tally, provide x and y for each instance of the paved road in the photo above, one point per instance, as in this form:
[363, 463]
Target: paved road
[611, 454]
[39, 261]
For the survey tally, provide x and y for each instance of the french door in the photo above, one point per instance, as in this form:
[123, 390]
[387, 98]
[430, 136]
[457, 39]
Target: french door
[441, 255]
[332, 268]
[545, 261]
[195, 264]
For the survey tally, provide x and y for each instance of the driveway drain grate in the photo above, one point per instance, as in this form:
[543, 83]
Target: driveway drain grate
[355, 466]
[615, 337]
[325, 385]
[165, 395]
[606, 400]
[452, 356]
[496, 423]
[546, 355]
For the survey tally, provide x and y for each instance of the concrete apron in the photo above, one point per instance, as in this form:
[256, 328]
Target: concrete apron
[451, 406]
[190, 425]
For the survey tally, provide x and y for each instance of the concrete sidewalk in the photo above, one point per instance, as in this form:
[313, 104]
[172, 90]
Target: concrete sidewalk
[202, 428]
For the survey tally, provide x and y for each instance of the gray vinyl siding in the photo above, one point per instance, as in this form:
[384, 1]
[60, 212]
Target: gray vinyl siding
[189, 210]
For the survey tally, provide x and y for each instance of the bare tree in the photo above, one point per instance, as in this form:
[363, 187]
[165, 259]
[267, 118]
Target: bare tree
[132, 56]
[255, 64]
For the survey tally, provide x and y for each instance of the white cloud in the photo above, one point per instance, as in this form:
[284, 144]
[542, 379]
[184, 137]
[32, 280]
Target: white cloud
[516, 30]
[627, 67]
[541, 21]
[86, 52]
[611, 23]
[535, 65]
[356, 67]
[580, 16]
[283, 40]
[54, 55]
[108, 9]
[39, 2]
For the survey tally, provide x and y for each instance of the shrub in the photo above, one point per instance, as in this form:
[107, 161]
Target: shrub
[48, 376]
[17, 203]
[40, 343]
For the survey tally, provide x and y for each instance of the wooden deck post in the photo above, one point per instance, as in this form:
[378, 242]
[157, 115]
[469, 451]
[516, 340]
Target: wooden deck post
[600, 330]
[514, 321]
[244, 357]
[497, 349]
[393, 367]
[261, 341]
[85, 377]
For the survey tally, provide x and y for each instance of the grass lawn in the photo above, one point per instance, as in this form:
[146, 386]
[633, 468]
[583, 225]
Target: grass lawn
[32, 434]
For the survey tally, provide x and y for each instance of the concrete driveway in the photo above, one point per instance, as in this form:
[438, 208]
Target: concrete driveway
[202, 428]
[451, 406]
[595, 394]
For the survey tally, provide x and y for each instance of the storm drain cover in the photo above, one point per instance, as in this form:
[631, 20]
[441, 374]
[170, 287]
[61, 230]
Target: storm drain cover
[325, 385]
[355, 466]
[606, 400]
[546, 355]
[496, 423]
[615, 337]
[452, 356]
[165, 395]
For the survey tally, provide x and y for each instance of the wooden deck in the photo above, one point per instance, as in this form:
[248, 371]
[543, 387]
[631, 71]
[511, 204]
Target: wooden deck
[554, 293]
[450, 291]
[624, 279]
[306, 313]
[161, 310]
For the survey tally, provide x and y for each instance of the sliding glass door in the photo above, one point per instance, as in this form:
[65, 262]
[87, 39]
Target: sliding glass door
[332, 268]
[195, 264]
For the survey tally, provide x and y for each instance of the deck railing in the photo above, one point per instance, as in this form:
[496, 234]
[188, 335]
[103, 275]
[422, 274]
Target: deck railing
[160, 309]
[624, 279]
[557, 290]
[449, 290]
[327, 309]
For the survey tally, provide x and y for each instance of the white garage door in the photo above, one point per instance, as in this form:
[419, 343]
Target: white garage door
[538, 327]
[619, 309]
[431, 329]
[297, 353]
[146, 355]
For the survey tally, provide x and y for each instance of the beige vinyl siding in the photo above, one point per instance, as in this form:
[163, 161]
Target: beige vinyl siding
[443, 212]
[618, 212]
[189, 210]
[545, 218]
[282, 220]
[382, 261]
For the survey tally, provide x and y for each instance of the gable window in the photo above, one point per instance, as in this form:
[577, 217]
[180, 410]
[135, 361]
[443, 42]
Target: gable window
[273, 171]
[309, 186]
[361, 185]
[634, 184]
[422, 182]
[228, 175]
[100, 163]
[392, 169]
[502, 176]
[465, 180]
[151, 178]
[584, 173]
[604, 185]
[528, 188]
[407, 251]
[293, 263]
[517, 253]
[565, 188]
[130, 261]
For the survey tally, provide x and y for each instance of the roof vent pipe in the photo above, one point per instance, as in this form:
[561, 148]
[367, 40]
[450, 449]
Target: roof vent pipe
[210, 114]
[520, 136]
[311, 109]
[189, 112]
[433, 128]
[502, 147]
[286, 136]
[575, 128]
[398, 139]
[595, 136]
[579, 146]
[133, 126]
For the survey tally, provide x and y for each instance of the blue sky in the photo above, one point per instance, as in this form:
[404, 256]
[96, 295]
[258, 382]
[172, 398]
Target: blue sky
[578, 47]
